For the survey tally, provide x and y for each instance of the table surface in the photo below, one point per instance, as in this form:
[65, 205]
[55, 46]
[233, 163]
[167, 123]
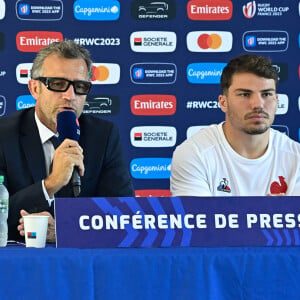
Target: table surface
[150, 273]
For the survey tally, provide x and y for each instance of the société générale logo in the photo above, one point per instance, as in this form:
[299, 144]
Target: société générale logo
[153, 136]
[153, 41]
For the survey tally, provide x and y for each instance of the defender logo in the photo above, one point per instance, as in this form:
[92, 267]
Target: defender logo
[153, 10]
[154, 7]
[102, 105]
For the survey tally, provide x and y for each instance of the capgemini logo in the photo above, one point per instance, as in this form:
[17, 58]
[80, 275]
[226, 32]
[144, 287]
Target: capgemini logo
[114, 9]
[249, 9]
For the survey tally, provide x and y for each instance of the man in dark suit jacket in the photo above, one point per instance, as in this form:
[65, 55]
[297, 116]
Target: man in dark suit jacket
[61, 75]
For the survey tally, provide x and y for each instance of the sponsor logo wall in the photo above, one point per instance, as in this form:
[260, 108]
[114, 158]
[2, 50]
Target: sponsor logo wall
[157, 65]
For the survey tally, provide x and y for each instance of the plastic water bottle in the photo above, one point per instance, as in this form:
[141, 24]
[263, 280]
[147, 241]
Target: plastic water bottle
[3, 212]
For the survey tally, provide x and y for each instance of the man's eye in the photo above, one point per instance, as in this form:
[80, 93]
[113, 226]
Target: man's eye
[58, 84]
[80, 86]
[244, 94]
[268, 94]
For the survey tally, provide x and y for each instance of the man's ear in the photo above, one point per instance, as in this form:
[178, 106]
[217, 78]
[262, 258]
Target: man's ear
[34, 88]
[223, 103]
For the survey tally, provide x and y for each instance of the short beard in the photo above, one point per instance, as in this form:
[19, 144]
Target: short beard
[255, 131]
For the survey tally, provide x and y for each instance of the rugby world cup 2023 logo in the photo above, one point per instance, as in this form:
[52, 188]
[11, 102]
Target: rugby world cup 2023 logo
[249, 9]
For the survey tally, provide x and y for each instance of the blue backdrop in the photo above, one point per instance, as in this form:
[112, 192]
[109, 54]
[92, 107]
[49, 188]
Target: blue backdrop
[157, 64]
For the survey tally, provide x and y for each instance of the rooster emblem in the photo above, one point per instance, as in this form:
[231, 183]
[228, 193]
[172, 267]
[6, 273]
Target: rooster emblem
[278, 188]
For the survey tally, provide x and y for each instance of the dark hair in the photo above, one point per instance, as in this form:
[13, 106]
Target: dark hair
[248, 63]
[66, 49]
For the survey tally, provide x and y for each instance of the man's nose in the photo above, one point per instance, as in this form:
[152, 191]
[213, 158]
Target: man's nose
[257, 101]
[70, 93]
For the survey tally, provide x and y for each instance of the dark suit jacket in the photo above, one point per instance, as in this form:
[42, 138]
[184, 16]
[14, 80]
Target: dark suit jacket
[22, 163]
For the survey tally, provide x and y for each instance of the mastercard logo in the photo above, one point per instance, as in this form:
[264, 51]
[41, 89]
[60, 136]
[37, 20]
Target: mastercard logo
[106, 73]
[209, 41]
[100, 73]
[212, 41]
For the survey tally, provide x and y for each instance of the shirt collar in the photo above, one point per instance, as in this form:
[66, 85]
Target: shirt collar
[45, 133]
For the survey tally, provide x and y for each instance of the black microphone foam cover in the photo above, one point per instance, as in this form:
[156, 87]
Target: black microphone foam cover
[67, 126]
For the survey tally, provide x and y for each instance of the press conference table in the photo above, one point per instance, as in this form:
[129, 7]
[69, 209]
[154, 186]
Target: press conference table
[150, 273]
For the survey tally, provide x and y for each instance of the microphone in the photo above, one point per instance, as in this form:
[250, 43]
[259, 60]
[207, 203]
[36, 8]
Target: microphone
[68, 128]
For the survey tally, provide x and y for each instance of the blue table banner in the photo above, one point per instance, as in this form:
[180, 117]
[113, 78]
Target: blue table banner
[177, 221]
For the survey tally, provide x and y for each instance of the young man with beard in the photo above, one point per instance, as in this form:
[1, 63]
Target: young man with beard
[242, 156]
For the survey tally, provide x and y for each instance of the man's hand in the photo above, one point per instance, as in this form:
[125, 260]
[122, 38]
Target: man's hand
[67, 156]
[51, 225]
